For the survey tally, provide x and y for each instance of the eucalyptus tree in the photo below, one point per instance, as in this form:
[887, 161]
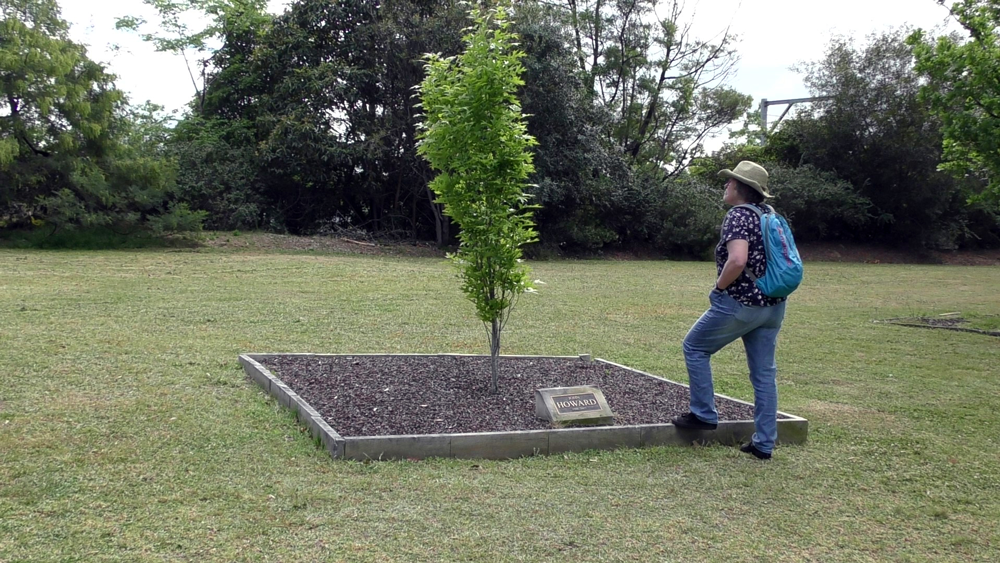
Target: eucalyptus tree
[476, 139]
[665, 88]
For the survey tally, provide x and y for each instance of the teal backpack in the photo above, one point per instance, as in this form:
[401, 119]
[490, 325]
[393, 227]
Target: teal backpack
[783, 273]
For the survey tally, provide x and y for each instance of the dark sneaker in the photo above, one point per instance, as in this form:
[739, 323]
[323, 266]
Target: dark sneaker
[690, 421]
[749, 448]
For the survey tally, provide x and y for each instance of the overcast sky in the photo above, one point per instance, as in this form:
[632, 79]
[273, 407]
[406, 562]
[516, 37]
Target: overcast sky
[774, 36]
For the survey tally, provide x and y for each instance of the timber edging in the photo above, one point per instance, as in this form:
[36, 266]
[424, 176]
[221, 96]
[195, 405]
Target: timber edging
[506, 445]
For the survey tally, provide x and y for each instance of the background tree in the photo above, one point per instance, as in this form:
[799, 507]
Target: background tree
[71, 153]
[876, 133]
[964, 91]
[578, 170]
[306, 124]
[175, 32]
[215, 145]
[475, 137]
[664, 87]
[219, 171]
[308, 121]
[595, 195]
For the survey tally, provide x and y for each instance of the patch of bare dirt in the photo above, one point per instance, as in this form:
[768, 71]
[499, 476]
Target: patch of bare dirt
[811, 252]
[334, 244]
[874, 254]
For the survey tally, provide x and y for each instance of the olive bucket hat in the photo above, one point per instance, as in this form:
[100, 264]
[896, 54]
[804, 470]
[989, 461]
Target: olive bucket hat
[750, 173]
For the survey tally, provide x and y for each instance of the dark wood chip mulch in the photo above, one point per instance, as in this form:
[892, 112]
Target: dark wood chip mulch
[393, 395]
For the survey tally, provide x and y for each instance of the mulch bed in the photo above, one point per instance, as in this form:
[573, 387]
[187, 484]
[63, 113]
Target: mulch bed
[393, 395]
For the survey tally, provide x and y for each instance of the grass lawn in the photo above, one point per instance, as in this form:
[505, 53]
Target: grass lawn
[128, 431]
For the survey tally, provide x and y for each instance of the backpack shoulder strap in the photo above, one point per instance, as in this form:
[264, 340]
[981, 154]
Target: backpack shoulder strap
[751, 208]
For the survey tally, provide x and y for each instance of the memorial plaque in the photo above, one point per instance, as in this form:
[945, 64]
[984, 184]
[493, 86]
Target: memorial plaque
[576, 403]
[568, 406]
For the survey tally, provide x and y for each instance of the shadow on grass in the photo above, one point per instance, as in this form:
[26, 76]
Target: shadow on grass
[93, 239]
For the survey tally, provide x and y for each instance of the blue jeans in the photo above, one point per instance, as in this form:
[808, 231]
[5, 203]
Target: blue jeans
[726, 320]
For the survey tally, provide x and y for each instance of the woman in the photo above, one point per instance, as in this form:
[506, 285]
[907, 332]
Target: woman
[738, 310]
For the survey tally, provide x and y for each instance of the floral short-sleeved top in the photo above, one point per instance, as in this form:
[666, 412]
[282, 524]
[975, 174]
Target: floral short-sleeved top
[743, 224]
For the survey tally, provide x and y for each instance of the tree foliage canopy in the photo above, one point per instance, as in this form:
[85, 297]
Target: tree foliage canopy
[664, 87]
[70, 153]
[173, 32]
[964, 91]
[304, 122]
[875, 132]
[314, 114]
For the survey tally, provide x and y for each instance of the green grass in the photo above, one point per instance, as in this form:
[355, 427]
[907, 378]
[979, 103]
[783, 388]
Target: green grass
[128, 431]
[982, 322]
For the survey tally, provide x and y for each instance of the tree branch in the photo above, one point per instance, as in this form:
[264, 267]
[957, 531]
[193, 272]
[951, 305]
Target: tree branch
[576, 31]
[19, 132]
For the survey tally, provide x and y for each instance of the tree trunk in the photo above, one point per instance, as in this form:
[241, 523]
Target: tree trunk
[440, 221]
[576, 31]
[413, 219]
[494, 355]
[592, 75]
[644, 126]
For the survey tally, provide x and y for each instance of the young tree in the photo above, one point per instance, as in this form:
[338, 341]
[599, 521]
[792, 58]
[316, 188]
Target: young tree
[475, 137]
[964, 91]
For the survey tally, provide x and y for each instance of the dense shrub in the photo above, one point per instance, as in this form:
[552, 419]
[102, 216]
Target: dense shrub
[219, 172]
[683, 216]
[817, 204]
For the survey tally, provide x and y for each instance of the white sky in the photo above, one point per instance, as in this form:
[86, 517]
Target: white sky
[774, 35]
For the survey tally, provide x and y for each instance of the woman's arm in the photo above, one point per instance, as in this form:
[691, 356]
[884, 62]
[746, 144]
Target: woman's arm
[738, 249]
